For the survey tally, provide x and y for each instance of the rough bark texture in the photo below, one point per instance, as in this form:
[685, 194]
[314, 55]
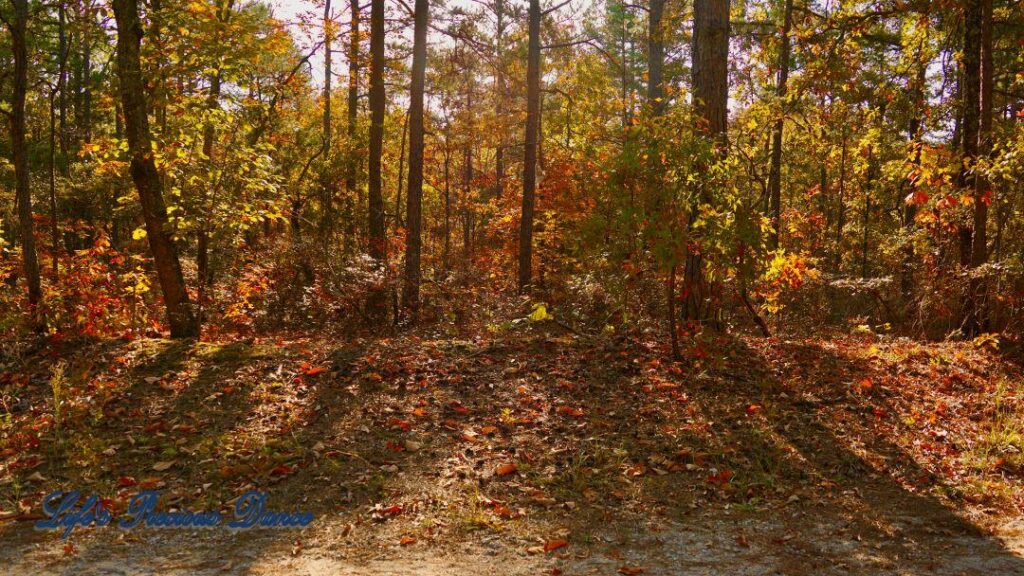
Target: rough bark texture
[414, 216]
[19, 157]
[982, 187]
[655, 58]
[376, 248]
[326, 180]
[711, 95]
[530, 150]
[353, 116]
[775, 169]
[970, 94]
[711, 64]
[180, 316]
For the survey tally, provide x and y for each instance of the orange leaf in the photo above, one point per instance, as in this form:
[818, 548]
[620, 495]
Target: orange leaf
[506, 469]
[406, 540]
[552, 545]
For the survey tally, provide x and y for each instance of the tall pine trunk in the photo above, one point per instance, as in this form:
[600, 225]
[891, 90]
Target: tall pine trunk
[353, 116]
[378, 101]
[414, 216]
[710, 95]
[970, 94]
[326, 179]
[982, 186]
[18, 26]
[775, 169]
[180, 316]
[530, 150]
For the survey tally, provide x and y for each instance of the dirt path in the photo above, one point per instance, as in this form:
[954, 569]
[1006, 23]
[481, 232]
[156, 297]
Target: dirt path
[542, 453]
[794, 541]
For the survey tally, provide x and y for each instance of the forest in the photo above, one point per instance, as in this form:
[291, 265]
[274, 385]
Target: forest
[512, 286]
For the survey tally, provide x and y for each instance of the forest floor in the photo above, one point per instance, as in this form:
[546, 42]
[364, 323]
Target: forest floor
[525, 448]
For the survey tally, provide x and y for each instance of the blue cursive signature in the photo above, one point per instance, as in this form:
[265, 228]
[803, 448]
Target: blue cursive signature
[64, 511]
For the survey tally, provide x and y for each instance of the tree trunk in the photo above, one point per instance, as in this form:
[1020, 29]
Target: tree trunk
[413, 238]
[326, 183]
[204, 274]
[909, 211]
[530, 150]
[86, 126]
[447, 204]
[710, 98]
[982, 186]
[399, 222]
[378, 101]
[353, 111]
[840, 206]
[62, 81]
[970, 92]
[775, 170]
[655, 58]
[711, 65]
[54, 233]
[499, 101]
[180, 317]
[19, 155]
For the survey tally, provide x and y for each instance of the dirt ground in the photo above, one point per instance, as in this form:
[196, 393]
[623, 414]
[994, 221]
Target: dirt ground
[530, 451]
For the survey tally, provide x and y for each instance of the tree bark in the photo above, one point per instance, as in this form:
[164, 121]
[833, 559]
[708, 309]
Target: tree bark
[180, 316]
[377, 249]
[399, 221]
[970, 93]
[414, 217]
[353, 111]
[710, 99]
[54, 233]
[530, 149]
[326, 183]
[499, 83]
[18, 26]
[655, 58]
[775, 170]
[982, 186]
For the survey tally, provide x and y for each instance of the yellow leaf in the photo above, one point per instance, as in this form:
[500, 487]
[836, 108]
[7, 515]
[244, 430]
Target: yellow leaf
[540, 313]
[139, 234]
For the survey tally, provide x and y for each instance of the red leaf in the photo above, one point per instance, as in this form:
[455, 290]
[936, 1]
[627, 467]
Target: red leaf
[552, 545]
[281, 470]
[575, 412]
[126, 482]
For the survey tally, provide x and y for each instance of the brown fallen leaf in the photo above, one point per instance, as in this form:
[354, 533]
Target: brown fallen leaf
[630, 570]
[163, 466]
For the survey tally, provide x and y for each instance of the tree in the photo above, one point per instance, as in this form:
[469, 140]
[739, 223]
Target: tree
[17, 24]
[972, 239]
[352, 115]
[326, 177]
[775, 170]
[710, 100]
[530, 148]
[378, 103]
[414, 205]
[180, 316]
